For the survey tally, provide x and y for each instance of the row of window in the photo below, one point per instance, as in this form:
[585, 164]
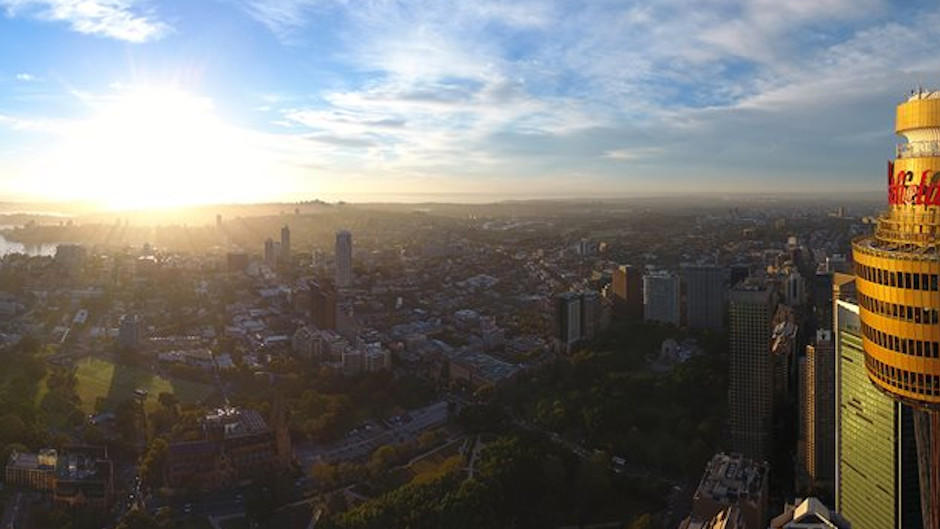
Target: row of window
[900, 312]
[905, 346]
[891, 278]
[920, 383]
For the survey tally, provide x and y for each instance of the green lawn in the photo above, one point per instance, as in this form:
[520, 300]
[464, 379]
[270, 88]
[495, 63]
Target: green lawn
[117, 382]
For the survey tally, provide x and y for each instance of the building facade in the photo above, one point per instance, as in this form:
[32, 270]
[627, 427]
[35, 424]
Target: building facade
[705, 289]
[818, 403]
[751, 309]
[344, 272]
[285, 245]
[661, 297]
[876, 483]
[567, 320]
[627, 289]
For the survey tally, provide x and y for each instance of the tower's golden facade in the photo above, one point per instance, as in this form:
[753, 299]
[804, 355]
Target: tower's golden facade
[898, 268]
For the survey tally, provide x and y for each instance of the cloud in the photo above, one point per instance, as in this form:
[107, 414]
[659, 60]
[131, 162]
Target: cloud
[632, 154]
[116, 19]
[25, 77]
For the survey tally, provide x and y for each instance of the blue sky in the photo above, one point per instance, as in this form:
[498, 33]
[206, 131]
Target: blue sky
[358, 99]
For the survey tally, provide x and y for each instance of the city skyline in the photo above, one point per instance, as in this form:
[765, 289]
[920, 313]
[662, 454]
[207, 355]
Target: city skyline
[134, 104]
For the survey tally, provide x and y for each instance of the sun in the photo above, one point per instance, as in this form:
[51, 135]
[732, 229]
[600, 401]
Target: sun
[156, 147]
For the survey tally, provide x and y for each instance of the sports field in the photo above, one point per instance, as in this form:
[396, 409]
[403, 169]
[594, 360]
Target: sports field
[117, 382]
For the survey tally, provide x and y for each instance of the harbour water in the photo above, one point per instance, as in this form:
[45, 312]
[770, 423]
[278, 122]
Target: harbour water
[9, 247]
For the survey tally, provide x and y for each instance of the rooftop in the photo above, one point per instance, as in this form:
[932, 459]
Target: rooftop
[730, 477]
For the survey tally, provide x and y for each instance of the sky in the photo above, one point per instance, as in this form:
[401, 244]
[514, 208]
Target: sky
[136, 103]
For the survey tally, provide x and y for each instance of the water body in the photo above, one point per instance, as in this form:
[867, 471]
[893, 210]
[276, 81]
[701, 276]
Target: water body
[32, 250]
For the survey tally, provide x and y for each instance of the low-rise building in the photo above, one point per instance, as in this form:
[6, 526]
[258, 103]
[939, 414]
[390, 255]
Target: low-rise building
[731, 480]
[79, 476]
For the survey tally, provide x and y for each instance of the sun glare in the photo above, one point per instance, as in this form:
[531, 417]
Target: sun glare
[156, 148]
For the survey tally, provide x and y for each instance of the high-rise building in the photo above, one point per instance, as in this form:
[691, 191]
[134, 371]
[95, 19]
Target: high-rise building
[704, 296]
[898, 283]
[270, 255]
[591, 309]
[627, 287]
[285, 245]
[876, 483]
[567, 320]
[323, 304]
[661, 297]
[344, 272]
[751, 308]
[818, 405]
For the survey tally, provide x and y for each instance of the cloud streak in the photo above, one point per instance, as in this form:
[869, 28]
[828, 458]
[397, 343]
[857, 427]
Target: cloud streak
[123, 20]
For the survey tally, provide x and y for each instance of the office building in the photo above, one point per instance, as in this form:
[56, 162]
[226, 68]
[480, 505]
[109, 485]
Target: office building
[822, 299]
[876, 483]
[818, 405]
[731, 480]
[898, 283]
[323, 305]
[285, 245]
[751, 308]
[591, 309]
[661, 297]
[705, 289]
[344, 272]
[270, 253]
[627, 290]
[567, 320]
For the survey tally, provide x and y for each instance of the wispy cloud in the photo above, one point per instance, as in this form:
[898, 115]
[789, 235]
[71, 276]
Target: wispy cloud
[25, 77]
[126, 20]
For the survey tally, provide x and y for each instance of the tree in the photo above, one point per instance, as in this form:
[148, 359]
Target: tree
[168, 400]
[139, 520]
[151, 468]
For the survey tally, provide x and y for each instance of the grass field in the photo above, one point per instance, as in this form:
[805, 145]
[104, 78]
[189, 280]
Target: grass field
[116, 383]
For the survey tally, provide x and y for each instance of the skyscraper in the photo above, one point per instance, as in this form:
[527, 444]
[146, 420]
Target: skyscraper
[876, 485]
[898, 295]
[661, 297]
[567, 320]
[270, 256]
[818, 398]
[285, 245]
[704, 296]
[752, 305]
[627, 287]
[323, 304]
[344, 273]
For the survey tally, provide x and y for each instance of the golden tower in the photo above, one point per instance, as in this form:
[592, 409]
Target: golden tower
[897, 280]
